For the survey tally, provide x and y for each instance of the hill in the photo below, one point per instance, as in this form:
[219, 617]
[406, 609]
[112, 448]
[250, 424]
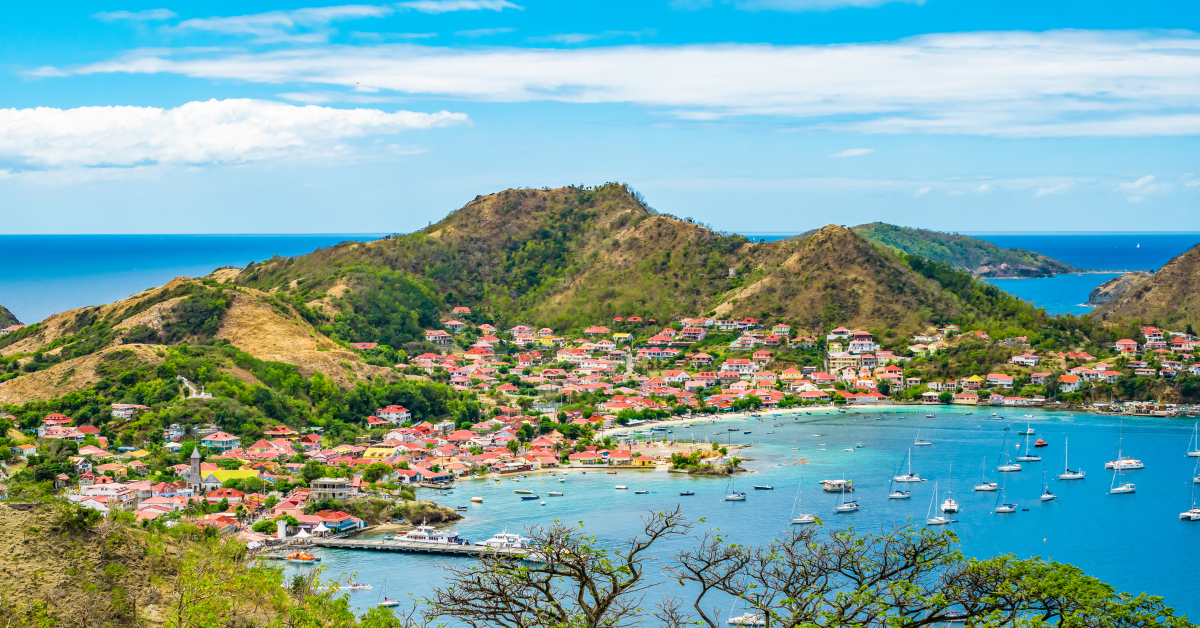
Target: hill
[973, 255]
[1169, 297]
[7, 318]
[1115, 287]
[572, 257]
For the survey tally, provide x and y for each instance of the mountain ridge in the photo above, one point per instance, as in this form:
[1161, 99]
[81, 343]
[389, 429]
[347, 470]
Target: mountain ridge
[1169, 297]
[974, 255]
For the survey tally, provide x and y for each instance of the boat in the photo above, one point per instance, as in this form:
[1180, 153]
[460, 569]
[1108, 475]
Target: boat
[555, 493]
[896, 494]
[608, 472]
[1028, 457]
[356, 586]
[746, 432]
[461, 508]
[1193, 449]
[386, 601]
[732, 429]
[1040, 443]
[1123, 462]
[529, 497]
[1047, 494]
[949, 505]
[1067, 473]
[641, 492]
[302, 558]
[929, 416]
[931, 520]
[620, 487]
[763, 487]
[802, 518]
[747, 618]
[686, 493]
[429, 534]
[561, 480]
[477, 500]
[1002, 506]
[505, 539]
[984, 485]
[1028, 431]
[733, 495]
[1006, 465]
[845, 506]
[919, 442]
[910, 476]
[1192, 514]
[1123, 487]
[837, 486]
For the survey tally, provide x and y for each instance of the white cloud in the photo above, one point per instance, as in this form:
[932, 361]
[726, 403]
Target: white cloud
[797, 6]
[564, 38]
[283, 26]
[1144, 182]
[921, 191]
[1013, 84]
[149, 15]
[1057, 188]
[853, 152]
[484, 32]
[194, 134]
[446, 6]
[982, 189]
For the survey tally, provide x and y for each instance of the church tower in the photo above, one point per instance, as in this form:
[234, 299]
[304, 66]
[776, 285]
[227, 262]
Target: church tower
[194, 478]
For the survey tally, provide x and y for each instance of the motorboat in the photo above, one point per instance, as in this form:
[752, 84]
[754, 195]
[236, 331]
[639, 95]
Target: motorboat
[356, 586]
[302, 558]
[1040, 443]
[429, 534]
[686, 493]
[620, 487]
[529, 497]
[522, 492]
[505, 539]
[555, 493]
[1067, 473]
[641, 492]
[763, 487]
[477, 500]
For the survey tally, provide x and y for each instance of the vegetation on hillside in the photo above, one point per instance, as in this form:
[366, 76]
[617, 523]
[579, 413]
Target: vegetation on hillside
[7, 318]
[974, 255]
[1170, 297]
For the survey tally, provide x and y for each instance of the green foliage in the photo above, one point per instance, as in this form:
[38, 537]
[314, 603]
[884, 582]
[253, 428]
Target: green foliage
[962, 252]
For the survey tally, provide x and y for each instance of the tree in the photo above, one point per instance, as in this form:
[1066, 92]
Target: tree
[264, 527]
[313, 470]
[575, 582]
[376, 471]
[513, 445]
[945, 397]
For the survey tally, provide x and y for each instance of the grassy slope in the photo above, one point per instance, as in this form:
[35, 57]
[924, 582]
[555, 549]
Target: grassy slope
[1170, 297]
[976, 256]
[7, 318]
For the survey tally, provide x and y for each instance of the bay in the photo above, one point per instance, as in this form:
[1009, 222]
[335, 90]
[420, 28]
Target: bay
[1135, 542]
[1060, 294]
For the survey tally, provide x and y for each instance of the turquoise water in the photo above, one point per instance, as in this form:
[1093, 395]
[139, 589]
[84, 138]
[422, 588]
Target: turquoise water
[1060, 294]
[1135, 542]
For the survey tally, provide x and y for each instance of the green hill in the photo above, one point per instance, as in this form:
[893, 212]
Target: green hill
[1170, 297]
[7, 318]
[973, 255]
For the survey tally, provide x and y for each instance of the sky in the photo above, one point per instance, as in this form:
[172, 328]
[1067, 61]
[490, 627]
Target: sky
[749, 115]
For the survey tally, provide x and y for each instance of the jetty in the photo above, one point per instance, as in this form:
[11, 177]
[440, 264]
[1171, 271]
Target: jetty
[417, 548]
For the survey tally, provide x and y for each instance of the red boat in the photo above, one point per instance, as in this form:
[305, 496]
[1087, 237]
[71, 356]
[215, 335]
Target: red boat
[1040, 443]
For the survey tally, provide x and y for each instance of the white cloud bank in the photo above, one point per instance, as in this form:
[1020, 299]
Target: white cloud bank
[197, 133]
[1017, 84]
[797, 6]
[853, 152]
[446, 6]
[281, 26]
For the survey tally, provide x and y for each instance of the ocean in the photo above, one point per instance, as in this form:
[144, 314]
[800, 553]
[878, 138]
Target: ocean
[46, 274]
[1108, 536]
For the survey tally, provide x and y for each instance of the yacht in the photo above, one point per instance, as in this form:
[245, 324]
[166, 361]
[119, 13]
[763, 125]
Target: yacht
[1193, 449]
[938, 520]
[1067, 473]
[1192, 514]
[555, 493]
[949, 505]
[1123, 487]
[734, 495]
[984, 485]
[802, 518]
[505, 539]
[1123, 463]
[1028, 456]
[893, 493]
[428, 534]
[846, 506]
[1002, 506]
[910, 476]
[1006, 464]
[1047, 494]
[920, 441]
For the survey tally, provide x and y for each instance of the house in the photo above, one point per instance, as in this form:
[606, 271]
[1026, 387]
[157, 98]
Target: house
[1037, 379]
[1068, 383]
[930, 398]
[1000, 379]
[692, 334]
[454, 326]
[762, 357]
[1126, 346]
[329, 488]
[394, 414]
[738, 365]
[973, 382]
[782, 330]
[1026, 359]
[221, 442]
[233, 495]
[462, 310]
[438, 337]
[675, 377]
[966, 399]
[126, 410]
[597, 330]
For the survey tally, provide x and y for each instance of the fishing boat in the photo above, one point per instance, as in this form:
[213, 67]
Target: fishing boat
[1123, 487]
[733, 495]
[802, 518]
[1067, 473]
[1123, 462]
[554, 493]
[1006, 464]
[1027, 456]
[949, 505]
[763, 487]
[893, 493]
[910, 476]
[845, 506]
[686, 493]
[1047, 494]
[1193, 449]
[732, 429]
[302, 558]
[920, 442]
[1002, 506]
[930, 520]
[505, 539]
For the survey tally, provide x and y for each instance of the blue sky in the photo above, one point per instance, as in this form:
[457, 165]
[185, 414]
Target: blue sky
[750, 115]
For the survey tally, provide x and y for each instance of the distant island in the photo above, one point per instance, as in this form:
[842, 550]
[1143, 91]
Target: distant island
[973, 255]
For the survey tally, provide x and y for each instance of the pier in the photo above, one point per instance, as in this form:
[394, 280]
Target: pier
[417, 548]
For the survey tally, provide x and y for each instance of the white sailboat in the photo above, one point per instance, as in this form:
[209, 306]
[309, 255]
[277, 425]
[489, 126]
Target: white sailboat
[1001, 505]
[1028, 456]
[910, 477]
[1124, 487]
[846, 506]
[386, 601]
[801, 518]
[1047, 494]
[949, 505]
[921, 442]
[1192, 514]
[984, 485]
[893, 493]
[1123, 462]
[1067, 473]
[747, 618]
[931, 520]
[734, 495]
[1006, 463]
[1194, 444]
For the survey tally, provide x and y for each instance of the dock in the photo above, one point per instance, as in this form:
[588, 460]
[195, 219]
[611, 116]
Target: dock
[417, 548]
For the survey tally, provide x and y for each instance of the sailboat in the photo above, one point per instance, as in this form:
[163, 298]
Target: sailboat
[984, 485]
[920, 442]
[910, 477]
[931, 520]
[1047, 494]
[1028, 431]
[1125, 487]
[1006, 465]
[949, 505]
[387, 601]
[897, 494]
[1194, 513]
[846, 506]
[747, 618]
[1002, 506]
[1027, 456]
[734, 495]
[1194, 444]
[801, 518]
[1067, 473]
[1123, 462]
